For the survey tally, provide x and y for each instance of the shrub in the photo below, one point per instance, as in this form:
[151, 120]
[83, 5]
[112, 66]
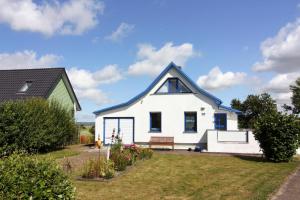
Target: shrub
[145, 153]
[34, 125]
[131, 157]
[120, 160]
[277, 134]
[98, 168]
[27, 177]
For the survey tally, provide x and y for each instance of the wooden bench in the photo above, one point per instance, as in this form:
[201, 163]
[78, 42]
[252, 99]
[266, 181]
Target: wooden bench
[162, 141]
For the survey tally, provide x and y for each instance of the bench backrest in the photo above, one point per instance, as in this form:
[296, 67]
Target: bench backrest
[161, 139]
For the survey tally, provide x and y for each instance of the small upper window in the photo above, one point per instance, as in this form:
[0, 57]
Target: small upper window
[26, 86]
[173, 85]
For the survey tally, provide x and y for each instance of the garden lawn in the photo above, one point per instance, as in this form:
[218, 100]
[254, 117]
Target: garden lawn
[195, 176]
[69, 151]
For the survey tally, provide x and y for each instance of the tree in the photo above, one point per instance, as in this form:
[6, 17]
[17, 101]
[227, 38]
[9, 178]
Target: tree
[296, 96]
[253, 107]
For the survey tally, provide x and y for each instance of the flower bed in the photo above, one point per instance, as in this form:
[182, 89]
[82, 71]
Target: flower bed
[120, 158]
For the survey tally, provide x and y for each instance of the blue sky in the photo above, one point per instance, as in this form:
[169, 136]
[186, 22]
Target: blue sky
[112, 49]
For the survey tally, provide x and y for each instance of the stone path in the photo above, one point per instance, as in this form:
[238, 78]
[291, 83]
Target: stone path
[290, 190]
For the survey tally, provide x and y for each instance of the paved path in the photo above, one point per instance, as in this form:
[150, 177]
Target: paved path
[290, 190]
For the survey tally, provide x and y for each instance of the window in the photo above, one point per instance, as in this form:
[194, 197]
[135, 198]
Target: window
[173, 85]
[190, 121]
[155, 122]
[26, 86]
[220, 121]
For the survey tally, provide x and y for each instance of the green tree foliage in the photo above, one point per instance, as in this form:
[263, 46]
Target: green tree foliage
[34, 125]
[27, 177]
[296, 96]
[253, 107]
[278, 135]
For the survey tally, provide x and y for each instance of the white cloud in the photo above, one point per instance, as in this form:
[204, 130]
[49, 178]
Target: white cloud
[281, 82]
[122, 31]
[151, 61]
[279, 87]
[86, 83]
[48, 18]
[216, 79]
[282, 52]
[92, 94]
[27, 59]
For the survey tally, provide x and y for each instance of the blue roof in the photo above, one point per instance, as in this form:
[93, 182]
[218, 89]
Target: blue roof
[165, 71]
[230, 109]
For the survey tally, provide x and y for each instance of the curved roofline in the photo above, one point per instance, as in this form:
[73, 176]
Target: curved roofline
[172, 65]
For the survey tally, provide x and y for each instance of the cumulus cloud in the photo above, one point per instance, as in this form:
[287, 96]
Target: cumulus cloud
[122, 31]
[151, 61]
[92, 94]
[279, 87]
[27, 59]
[86, 83]
[50, 17]
[281, 82]
[216, 79]
[282, 52]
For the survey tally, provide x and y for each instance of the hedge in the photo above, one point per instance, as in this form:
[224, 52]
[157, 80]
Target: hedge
[27, 177]
[34, 125]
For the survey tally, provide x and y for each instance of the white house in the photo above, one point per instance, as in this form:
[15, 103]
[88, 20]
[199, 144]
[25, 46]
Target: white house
[173, 105]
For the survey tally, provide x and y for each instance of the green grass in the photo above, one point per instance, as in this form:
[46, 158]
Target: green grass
[67, 152]
[168, 176]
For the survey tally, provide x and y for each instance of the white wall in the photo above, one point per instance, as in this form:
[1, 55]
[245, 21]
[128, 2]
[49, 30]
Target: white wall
[172, 108]
[232, 142]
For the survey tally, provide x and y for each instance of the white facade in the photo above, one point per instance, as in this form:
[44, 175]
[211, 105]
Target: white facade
[172, 108]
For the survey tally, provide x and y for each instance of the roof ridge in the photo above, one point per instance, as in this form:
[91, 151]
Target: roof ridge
[45, 68]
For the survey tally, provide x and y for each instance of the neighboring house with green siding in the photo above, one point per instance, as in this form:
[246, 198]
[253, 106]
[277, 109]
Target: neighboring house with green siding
[48, 83]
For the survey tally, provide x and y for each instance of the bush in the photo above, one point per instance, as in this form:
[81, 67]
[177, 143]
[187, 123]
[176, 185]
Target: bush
[27, 177]
[278, 136]
[145, 153]
[120, 159]
[34, 125]
[98, 168]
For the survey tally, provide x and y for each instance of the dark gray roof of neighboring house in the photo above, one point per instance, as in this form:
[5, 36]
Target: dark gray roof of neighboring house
[43, 80]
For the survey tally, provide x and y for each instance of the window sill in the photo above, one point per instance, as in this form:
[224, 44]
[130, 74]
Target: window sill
[154, 131]
[190, 132]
